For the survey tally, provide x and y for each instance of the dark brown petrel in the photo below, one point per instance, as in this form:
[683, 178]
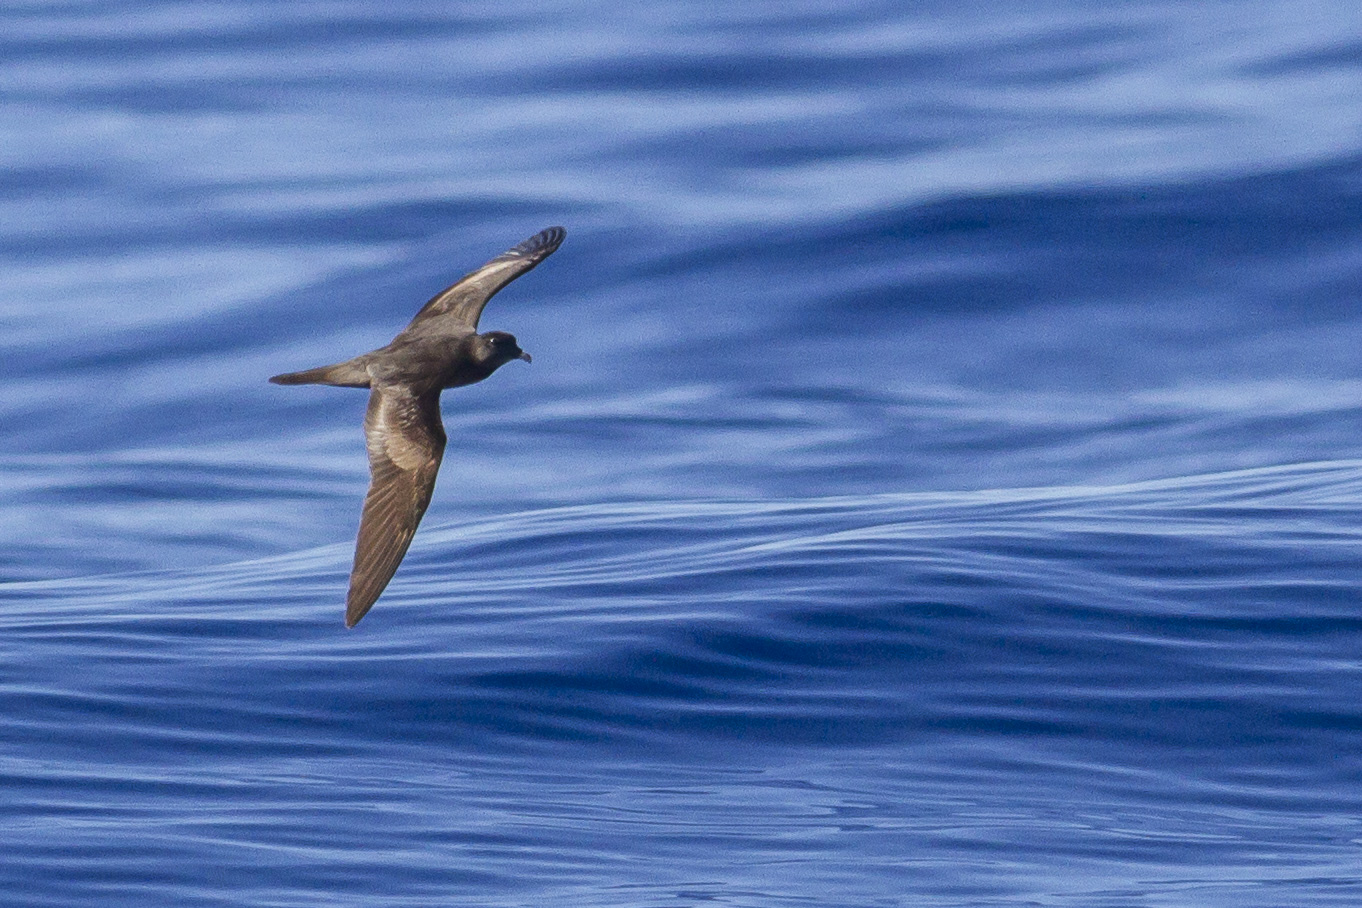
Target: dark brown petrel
[402, 430]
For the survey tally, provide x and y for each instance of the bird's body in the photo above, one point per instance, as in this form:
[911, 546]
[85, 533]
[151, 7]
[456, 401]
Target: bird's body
[405, 438]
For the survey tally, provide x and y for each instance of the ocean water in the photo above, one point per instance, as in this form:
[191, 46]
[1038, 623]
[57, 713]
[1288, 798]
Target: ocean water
[937, 482]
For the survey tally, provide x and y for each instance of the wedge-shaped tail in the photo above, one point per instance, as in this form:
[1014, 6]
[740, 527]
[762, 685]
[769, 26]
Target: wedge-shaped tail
[349, 374]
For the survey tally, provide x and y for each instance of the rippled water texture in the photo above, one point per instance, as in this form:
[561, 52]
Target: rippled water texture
[936, 484]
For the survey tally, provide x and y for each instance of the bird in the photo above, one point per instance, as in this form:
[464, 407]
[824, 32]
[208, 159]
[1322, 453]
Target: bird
[440, 348]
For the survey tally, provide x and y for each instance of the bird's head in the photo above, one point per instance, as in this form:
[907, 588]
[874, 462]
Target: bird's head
[496, 348]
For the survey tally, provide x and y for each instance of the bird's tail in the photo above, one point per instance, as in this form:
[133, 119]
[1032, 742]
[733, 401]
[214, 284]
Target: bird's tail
[349, 374]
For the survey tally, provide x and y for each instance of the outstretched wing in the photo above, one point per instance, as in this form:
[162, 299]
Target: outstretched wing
[405, 439]
[463, 302]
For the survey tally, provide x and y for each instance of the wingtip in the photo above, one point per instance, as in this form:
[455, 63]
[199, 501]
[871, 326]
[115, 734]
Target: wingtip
[353, 613]
[542, 244]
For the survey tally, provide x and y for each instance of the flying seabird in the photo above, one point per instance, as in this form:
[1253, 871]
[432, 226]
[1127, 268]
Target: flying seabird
[439, 349]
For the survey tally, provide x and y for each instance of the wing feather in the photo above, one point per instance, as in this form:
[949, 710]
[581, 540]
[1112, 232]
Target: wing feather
[406, 441]
[463, 301]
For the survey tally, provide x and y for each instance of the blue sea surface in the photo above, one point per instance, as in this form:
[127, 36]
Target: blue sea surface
[938, 482]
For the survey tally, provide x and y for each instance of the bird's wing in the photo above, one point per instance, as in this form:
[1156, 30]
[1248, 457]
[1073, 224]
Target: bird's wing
[405, 439]
[463, 301]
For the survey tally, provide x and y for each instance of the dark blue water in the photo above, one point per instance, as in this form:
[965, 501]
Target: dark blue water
[937, 483]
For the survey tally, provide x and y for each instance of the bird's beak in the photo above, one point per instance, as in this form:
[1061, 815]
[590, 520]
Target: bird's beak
[525, 356]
